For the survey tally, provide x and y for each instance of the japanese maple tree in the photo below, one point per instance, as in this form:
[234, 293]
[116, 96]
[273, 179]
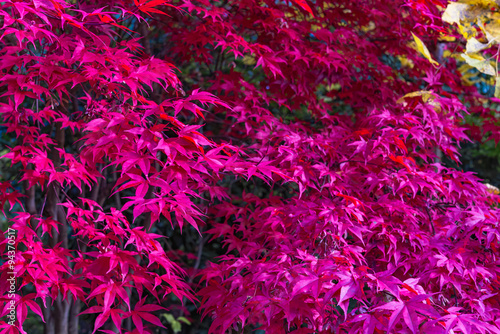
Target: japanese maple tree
[308, 138]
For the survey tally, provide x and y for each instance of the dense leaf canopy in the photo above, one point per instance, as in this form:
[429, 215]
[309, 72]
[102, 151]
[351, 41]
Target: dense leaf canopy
[312, 145]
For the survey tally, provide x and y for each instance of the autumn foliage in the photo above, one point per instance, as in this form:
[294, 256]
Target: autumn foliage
[314, 141]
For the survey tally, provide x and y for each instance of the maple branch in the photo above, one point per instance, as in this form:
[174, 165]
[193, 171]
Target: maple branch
[75, 307]
[267, 150]
[230, 137]
[30, 194]
[199, 253]
[455, 295]
[175, 253]
[116, 195]
[390, 294]
[359, 161]
[147, 44]
[68, 197]
[219, 57]
[430, 220]
[43, 205]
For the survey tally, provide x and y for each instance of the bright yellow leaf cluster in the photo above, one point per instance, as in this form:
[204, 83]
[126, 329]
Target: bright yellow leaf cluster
[472, 17]
[492, 189]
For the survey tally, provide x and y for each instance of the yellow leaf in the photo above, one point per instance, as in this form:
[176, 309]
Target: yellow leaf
[479, 63]
[423, 50]
[473, 45]
[446, 38]
[467, 30]
[315, 27]
[426, 96]
[492, 189]
[371, 26]
[455, 12]
[492, 29]
[405, 62]
[497, 87]
[249, 60]
[482, 3]
[335, 86]
[466, 13]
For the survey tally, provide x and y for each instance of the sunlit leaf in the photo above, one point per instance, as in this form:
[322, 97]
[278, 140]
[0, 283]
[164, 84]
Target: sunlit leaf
[492, 29]
[473, 45]
[423, 50]
[497, 87]
[426, 95]
[455, 12]
[479, 63]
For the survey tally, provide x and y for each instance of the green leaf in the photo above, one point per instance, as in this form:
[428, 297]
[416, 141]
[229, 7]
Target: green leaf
[176, 327]
[184, 320]
[170, 318]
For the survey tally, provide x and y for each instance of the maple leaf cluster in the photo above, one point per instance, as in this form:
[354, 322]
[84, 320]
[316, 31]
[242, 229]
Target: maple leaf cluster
[310, 144]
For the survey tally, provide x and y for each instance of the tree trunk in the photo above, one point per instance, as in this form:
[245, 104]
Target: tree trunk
[57, 313]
